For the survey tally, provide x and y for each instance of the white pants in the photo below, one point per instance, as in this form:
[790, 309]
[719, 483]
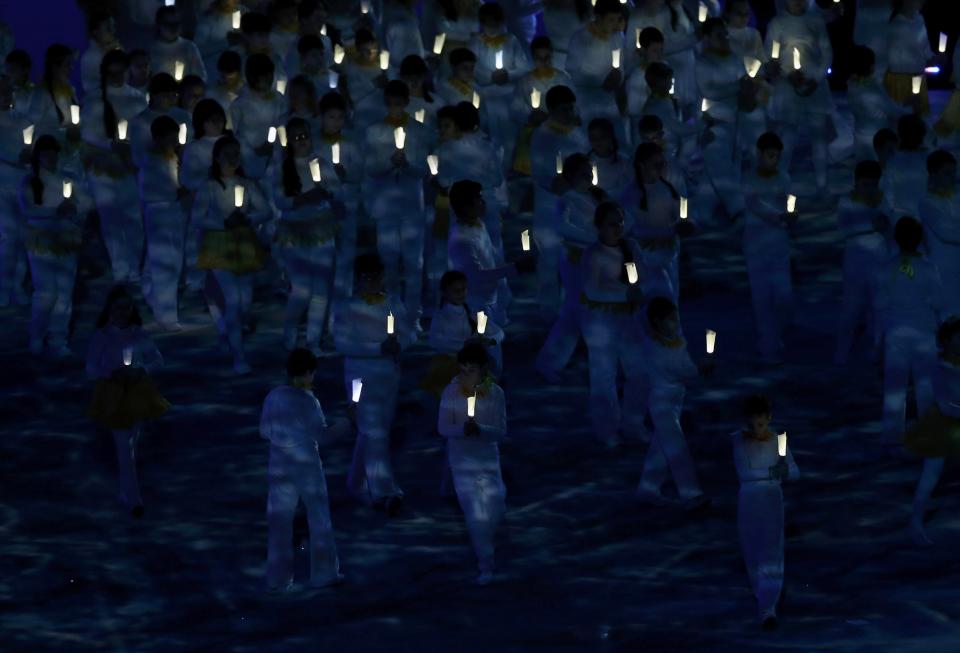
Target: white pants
[565, 333]
[125, 442]
[482, 497]
[296, 474]
[53, 281]
[760, 522]
[13, 256]
[768, 268]
[165, 228]
[400, 244]
[909, 351]
[859, 295]
[310, 270]
[346, 254]
[668, 452]
[814, 127]
[613, 341]
[121, 225]
[549, 248]
[371, 473]
[237, 293]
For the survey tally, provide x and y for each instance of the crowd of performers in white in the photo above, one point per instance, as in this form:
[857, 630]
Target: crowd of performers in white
[255, 153]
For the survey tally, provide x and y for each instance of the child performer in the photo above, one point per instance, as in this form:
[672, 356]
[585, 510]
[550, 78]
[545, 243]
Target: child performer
[14, 157]
[258, 108]
[802, 100]
[120, 358]
[473, 451]
[229, 82]
[910, 303]
[905, 175]
[650, 45]
[935, 436]
[454, 326]
[50, 106]
[885, 145]
[163, 95]
[170, 52]
[613, 169]
[17, 66]
[940, 216]
[215, 31]
[164, 219]
[110, 166]
[53, 238]
[229, 248]
[102, 35]
[394, 188]
[309, 219]
[760, 503]
[535, 83]
[680, 39]
[864, 218]
[766, 246]
[461, 86]
[668, 367]
[870, 105]
[609, 327]
[294, 424]
[360, 330]
[745, 40]
[590, 63]
[908, 53]
[365, 79]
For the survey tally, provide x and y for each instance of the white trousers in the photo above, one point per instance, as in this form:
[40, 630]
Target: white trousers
[760, 523]
[310, 270]
[400, 244]
[565, 333]
[165, 229]
[482, 497]
[371, 473]
[125, 442]
[346, 254]
[13, 255]
[668, 453]
[237, 293]
[771, 289]
[296, 474]
[121, 225]
[859, 296]
[909, 351]
[53, 280]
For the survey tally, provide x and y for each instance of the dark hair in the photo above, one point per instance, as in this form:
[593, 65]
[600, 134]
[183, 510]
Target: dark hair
[448, 112]
[396, 88]
[466, 116]
[473, 354]
[413, 65]
[109, 114]
[649, 36]
[307, 7]
[163, 83]
[253, 22]
[206, 109]
[258, 65]
[462, 193]
[754, 405]
[604, 7]
[363, 35]
[451, 277]
[710, 25]
[644, 152]
[660, 307]
[97, 18]
[541, 43]
[45, 143]
[908, 233]
[657, 70]
[369, 263]
[490, 11]
[599, 215]
[117, 293]
[884, 136]
[192, 80]
[449, 8]
[558, 95]
[649, 123]
[332, 101]
[55, 55]
[949, 328]
[229, 62]
[604, 124]
[309, 42]
[912, 130]
[938, 159]
[215, 173]
[300, 361]
[162, 13]
[867, 170]
[303, 83]
[19, 57]
[862, 60]
[573, 163]
[292, 185]
[461, 55]
[769, 141]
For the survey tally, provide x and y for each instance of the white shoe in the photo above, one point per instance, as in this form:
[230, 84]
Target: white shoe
[485, 578]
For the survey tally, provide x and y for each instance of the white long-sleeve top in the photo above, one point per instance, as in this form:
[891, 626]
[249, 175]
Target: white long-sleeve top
[470, 250]
[328, 180]
[754, 458]
[196, 160]
[614, 173]
[638, 92]
[476, 453]
[351, 158]
[856, 219]
[941, 229]
[292, 419]
[575, 210]
[105, 352]
[561, 21]
[158, 179]
[396, 184]
[451, 327]
[590, 61]
[127, 104]
[43, 111]
[401, 32]
[908, 47]
[602, 268]
[909, 293]
[904, 180]
[360, 327]
[90, 68]
[547, 142]
[165, 55]
[543, 81]
[515, 62]
[472, 157]
[138, 129]
[946, 388]
[658, 221]
[44, 215]
[678, 42]
[668, 368]
[765, 198]
[12, 124]
[252, 115]
[718, 80]
[746, 42]
[214, 203]
[872, 109]
[211, 34]
[807, 34]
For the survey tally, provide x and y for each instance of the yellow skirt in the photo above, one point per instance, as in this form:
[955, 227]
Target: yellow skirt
[121, 405]
[237, 250]
[900, 88]
[440, 372]
[950, 118]
[935, 435]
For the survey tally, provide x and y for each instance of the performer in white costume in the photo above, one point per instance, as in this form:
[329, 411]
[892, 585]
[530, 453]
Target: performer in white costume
[940, 216]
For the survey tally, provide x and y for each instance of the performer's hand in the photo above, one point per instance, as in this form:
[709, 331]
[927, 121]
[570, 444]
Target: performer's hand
[341, 171]
[390, 346]
[526, 264]
[537, 117]
[264, 150]
[612, 81]
[67, 209]
[500, 77]
[686, 228]
[635, 293]
[26, 155]
[398, 159]
[470, 428]
[706, 366]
